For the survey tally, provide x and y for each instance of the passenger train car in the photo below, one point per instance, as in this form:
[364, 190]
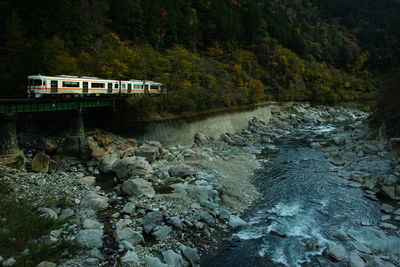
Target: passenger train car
[39, 86]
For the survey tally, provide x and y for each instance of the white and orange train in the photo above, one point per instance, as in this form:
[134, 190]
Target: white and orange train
[39, 86]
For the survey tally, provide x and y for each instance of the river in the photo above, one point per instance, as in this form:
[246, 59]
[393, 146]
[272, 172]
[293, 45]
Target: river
[304, 202]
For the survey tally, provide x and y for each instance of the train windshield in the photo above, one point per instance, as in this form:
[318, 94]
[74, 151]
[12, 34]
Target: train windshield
[35, 82]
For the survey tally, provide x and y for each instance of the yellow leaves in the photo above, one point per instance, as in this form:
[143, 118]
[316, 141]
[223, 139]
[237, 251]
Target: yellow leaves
[237, 68]
[346, 84]
[257, 90]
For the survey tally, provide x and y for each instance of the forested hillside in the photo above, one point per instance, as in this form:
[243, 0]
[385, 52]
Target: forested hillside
[208, 53]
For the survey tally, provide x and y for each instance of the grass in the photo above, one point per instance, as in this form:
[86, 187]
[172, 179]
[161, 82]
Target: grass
[20, 227]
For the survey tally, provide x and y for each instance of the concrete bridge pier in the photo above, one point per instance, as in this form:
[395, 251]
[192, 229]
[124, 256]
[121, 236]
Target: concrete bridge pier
[75, 141]
[8, 135]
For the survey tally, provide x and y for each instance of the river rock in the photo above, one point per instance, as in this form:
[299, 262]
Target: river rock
[389, 191]
[191, 255]
[130, 259]
[47, 213]
[200, 138]
[90, 238]
[355, 260]
[369, 149]
[181, 170]
[9, 262]
[129, 235]
[174, 259]
[151, 220]
[154, 262]
[129, 208]
[132, 166]
[162, 232]
[341, 235]
[394, 147]
[205, 194]
[65, 214]
[138, 187]
[94, 201]
[92, 224]
[387, 208]
[341, 158]
[87, 180]
[176, 222]
[40, 163]
[387, 226]
[338, 252]
[236, 221]
[46, 264]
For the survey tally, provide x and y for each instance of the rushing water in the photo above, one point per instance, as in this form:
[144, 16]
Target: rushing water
[304, 202]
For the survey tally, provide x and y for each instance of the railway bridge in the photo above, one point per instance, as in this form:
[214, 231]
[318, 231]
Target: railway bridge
[75, 139]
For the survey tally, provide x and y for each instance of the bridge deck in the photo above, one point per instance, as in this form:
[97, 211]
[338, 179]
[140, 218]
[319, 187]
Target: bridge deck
[39, 105]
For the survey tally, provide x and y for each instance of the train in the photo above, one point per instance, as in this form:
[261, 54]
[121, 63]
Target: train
[67, 85]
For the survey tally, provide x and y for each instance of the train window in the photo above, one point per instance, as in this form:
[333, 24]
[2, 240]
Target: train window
[35, 82]
[129, 86]
[44, 83]
[123, 86]
[116, 85]
[154, 87]
[70, 84]
[98, 85]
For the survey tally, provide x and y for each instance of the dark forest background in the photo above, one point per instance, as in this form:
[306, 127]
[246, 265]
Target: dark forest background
[217, 53]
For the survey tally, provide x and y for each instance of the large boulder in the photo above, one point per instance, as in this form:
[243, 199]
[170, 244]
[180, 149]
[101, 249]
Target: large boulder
[40, 163]
[132, 166]
[94, 201]
[151, 220]
[14, 161]
[200, 138]
[102, 139]
[151, 153]
[107, 162]
[90, 238]
[96, 152]
[129, 143]
[181, 170]
[137, 187]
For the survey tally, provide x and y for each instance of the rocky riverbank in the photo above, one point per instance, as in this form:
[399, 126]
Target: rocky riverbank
[168, 205]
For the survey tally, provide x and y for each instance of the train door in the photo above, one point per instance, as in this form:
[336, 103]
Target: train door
[129, 88]
[146, 89]
[109, 86]
[85, 88]
[54, 87]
